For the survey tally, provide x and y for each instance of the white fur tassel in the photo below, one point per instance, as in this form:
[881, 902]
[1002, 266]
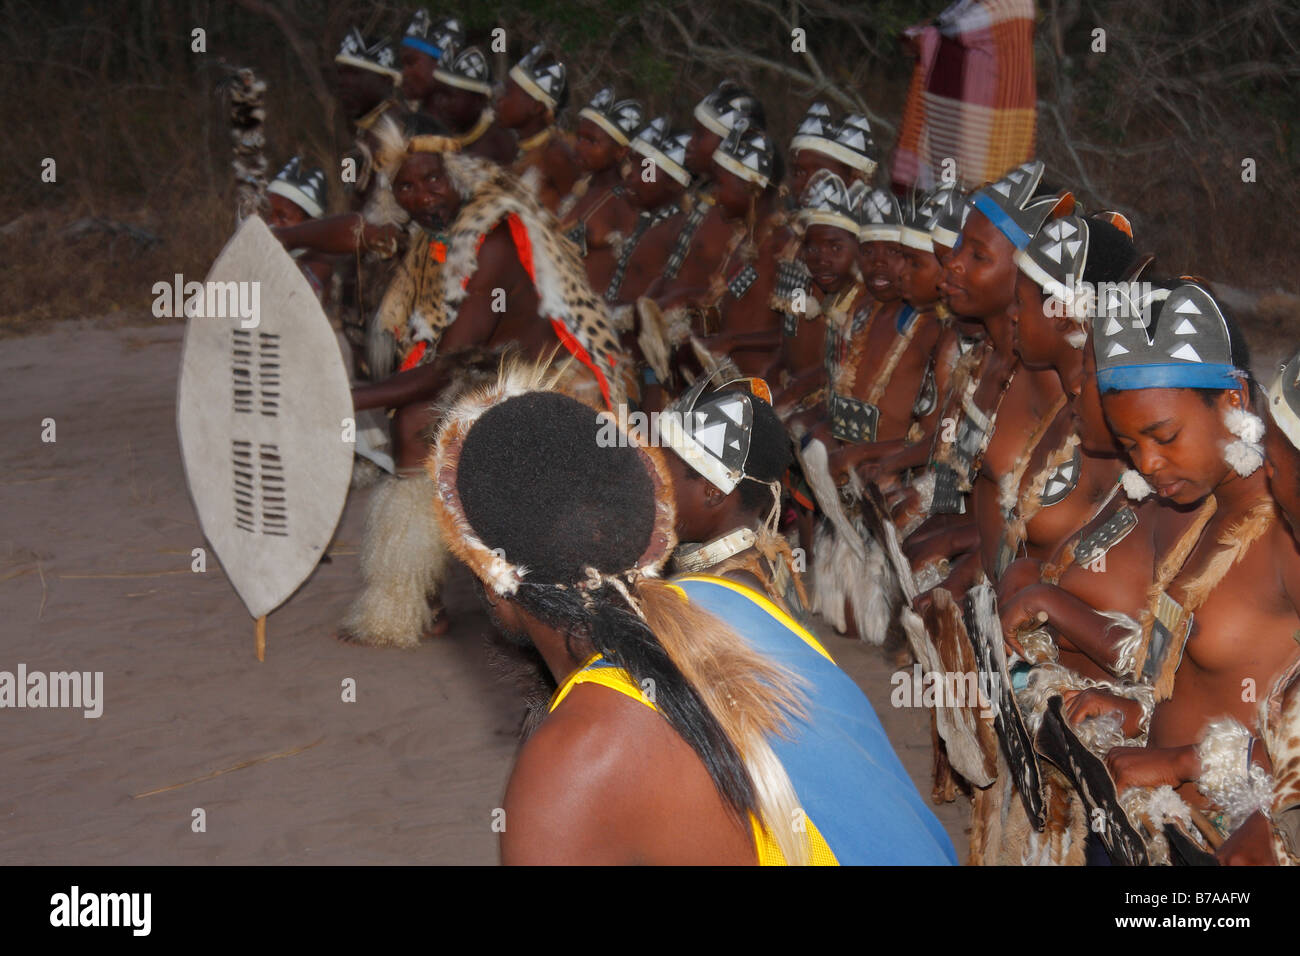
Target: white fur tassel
[867, 583]
[1159, 805]
[1228, 779]
[1130, 640]
[925, 490]
[1135, 486]
[1246, 454]
[816, 469]
[1008, 493]
[403, 561]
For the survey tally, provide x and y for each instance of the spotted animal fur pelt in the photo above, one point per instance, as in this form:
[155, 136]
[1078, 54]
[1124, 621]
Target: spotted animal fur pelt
[431, 294]
[1280, 722]
[1001, 834]
[247, 96]
[490, 194]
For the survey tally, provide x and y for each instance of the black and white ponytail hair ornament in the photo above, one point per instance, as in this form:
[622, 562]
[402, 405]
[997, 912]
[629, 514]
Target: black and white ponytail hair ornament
[1246, 452]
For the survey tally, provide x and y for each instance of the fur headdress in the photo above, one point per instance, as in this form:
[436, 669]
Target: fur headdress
[393, 145]
[722, 684]
[493, 567]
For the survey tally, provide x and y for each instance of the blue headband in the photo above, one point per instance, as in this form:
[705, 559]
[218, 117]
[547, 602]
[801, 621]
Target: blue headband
[1004, 223]
[423, 47]
[1128, 378]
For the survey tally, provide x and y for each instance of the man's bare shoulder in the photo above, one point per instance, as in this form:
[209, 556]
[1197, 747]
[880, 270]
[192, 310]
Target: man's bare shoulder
[497, 259]
[606, 779]
[578, 778]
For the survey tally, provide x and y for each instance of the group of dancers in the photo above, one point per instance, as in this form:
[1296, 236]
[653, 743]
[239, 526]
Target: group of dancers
[921, 418]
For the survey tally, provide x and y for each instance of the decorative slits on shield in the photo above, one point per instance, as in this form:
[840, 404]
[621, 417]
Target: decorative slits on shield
[241, 360]
[275, 517]
[245, 488]
[268, 372]
[260, 501]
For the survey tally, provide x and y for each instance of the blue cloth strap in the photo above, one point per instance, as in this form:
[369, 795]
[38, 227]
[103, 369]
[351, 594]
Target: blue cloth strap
[1004, 223]
[423, 46]
[1128, 378]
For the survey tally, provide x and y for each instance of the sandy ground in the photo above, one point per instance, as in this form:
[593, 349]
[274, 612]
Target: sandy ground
[95, 543]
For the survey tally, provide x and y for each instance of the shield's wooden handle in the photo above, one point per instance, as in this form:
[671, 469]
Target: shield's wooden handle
[261, 638]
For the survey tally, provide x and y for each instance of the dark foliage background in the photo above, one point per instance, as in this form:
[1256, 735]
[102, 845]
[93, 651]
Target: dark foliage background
[1157, 126]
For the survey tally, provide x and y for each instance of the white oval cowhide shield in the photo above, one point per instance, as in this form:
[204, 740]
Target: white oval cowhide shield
[261, 409]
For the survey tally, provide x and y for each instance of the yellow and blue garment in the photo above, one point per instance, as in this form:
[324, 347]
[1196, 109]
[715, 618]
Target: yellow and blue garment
[860, 805]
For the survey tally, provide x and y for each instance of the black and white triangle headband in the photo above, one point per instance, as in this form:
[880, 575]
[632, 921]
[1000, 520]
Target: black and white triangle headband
[1190, 347]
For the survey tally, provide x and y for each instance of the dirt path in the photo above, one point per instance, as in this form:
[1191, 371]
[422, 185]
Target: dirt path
[95, 552]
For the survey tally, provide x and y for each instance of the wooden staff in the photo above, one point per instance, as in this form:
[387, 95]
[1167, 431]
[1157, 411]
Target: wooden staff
[261, 638]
